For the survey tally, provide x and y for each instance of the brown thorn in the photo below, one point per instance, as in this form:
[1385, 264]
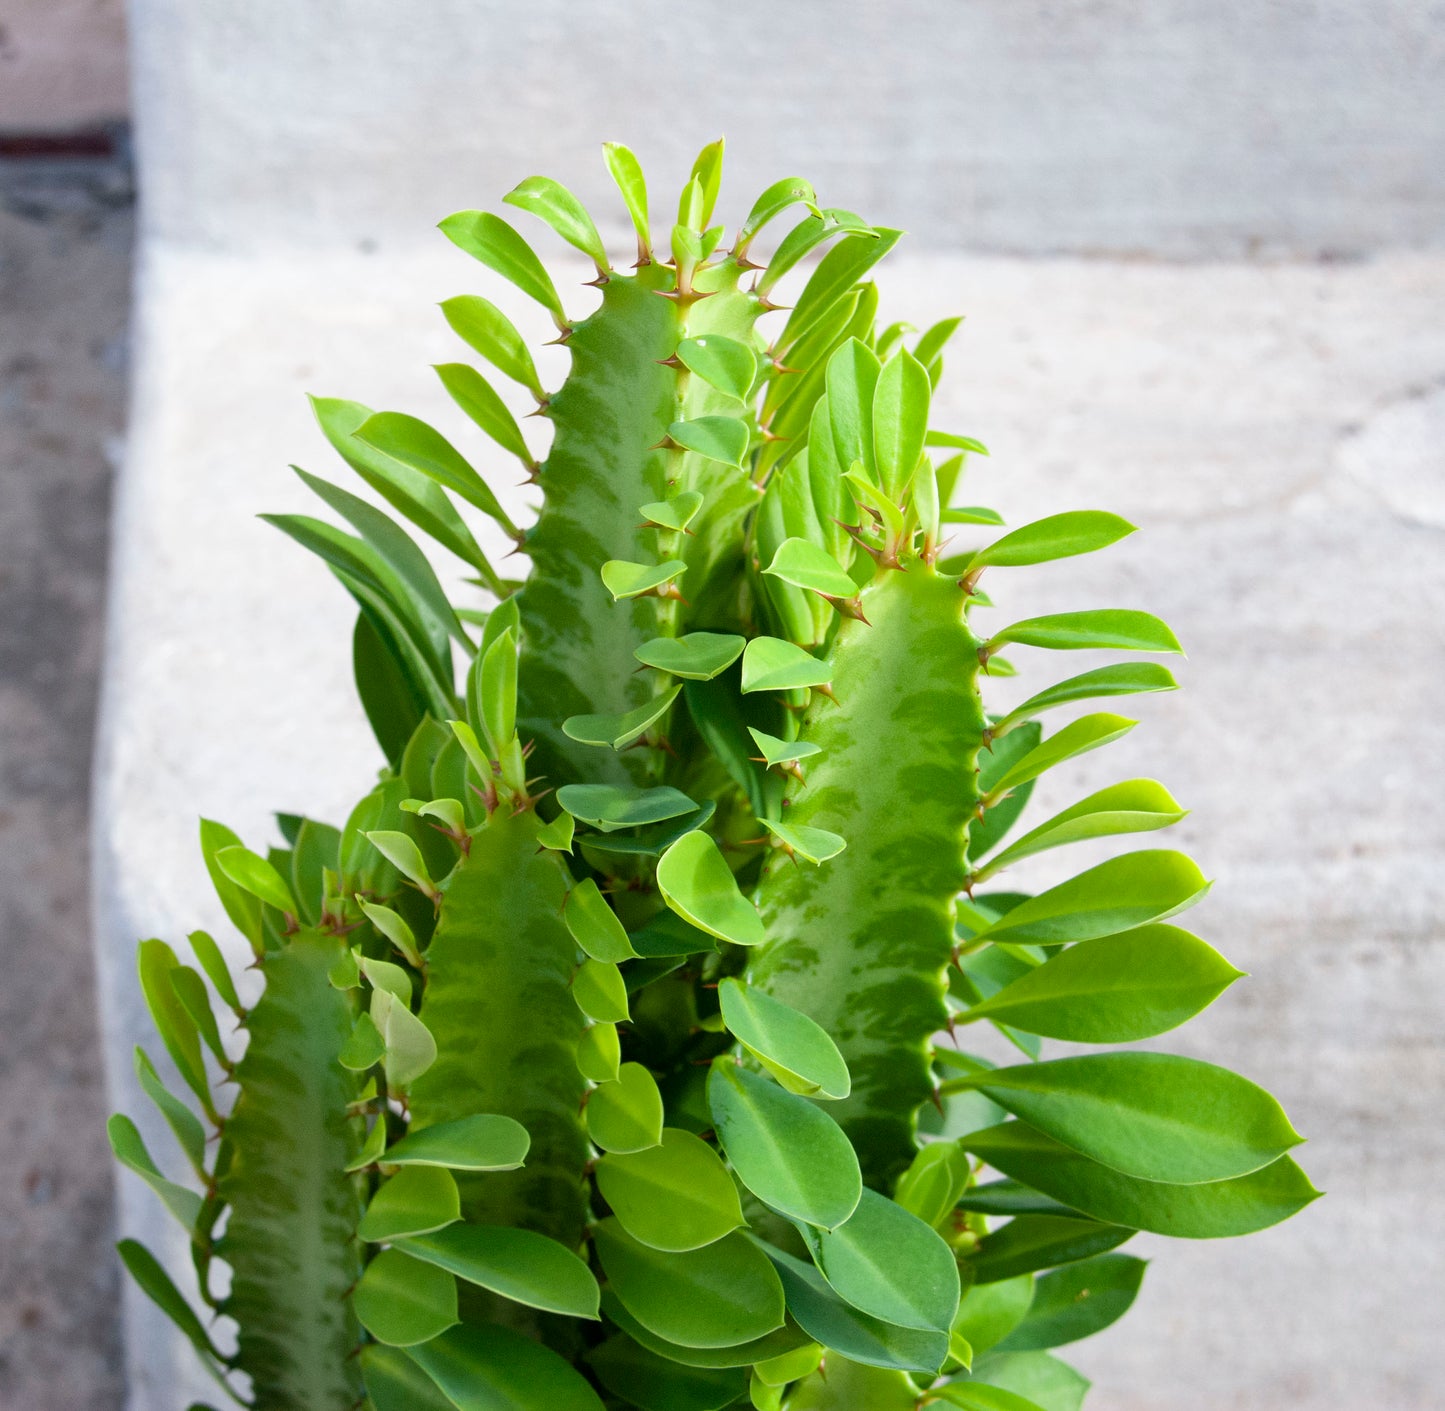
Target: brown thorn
[561, 337]
[603, 277]
[673, 362]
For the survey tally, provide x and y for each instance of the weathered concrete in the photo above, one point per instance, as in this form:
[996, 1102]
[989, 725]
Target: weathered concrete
[64, 292]
[62, 64]
[1256, 421]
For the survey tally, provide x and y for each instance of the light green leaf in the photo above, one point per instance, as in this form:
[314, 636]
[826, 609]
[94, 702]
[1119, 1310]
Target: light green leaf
[843, 1385]
[789, 1366]
[718, 1296]
[618, 731]
[364, 1048]
[790, 191]
[155, 961]
[491, 240]
[900, 420]
[1031, 1242]
[778, 753]
[1117, 895]
[816, 845]
[393, 926]
[383, 975]
[254, 874]
[156, 1284]
[771, 664]
[719, 438]
[852, 379]
[485, 1142]
[632, 580]
[497, 693]
[402, 1301]
[968, 514]
[975, 1396]
[600, 992]
[371, 1149]
[551, 201]
[696, 882]
[1059, 536]
[1088, 732]
[806, 236]
[557, 835]
[789, 1153]
[888, 1263]
[610, 807]
[707, 172]
[696, 656]
[594, 924]
[721, 362]
[804, 565]
[599, 1053]
[195, 999]
[521, 1265]
[795, 1049]
[209, 958]
[626, 1115]
[1119, 628]
[652, 1383]
[1135, 806]
[1077, 1301]
[184, 1125]
[930, 1188]
[674, 514]
[1114, 989]
[130, 1151]
[415, 1201]
[990, 1312]
[675, 1196]
[836, 274]
[401, 851]
[479, 400]
[1210, 1210]
[1157, 1116]
[1041, 1380]
[490, 1368]
[1121, 679]
[626, 171]
[410, 1047]
[485, 328]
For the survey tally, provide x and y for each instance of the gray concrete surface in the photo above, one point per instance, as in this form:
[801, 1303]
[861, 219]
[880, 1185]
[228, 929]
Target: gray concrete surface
[65, 244]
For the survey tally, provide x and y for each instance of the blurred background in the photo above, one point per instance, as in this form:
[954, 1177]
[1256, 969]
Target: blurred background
[1200, 245]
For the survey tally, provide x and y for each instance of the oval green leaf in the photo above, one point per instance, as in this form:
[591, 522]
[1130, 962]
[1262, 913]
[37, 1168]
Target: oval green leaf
[1077, 1302]
[594, 924]
[721, 362]
[479, 400]
[484, 327]
[815, 845]
[600, 992]
[675, 1196]
[900, 420]
[609, 807]
[1059, 536]
[618, 731]
[491, 240]
[626, 1115]
[632, 580]
[674, 514]
[696, 883]
[485, 1142]
[552, 202]
[415, 1201]
[771, 664]
[255, 875]
[599, 1053]
[797, 1050]
[804, 565]
[490, 1368]
[697, 656]
[1122, 629]
[402, 1302]
[990, 1312]
[719, 438]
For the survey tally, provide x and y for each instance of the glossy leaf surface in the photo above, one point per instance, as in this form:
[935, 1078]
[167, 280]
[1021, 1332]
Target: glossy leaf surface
[796, 1050]
[674, 1196]
[696, 882]
[626, 1115]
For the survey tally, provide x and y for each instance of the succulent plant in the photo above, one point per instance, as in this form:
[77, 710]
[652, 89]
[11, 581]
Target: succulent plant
[611, 1053]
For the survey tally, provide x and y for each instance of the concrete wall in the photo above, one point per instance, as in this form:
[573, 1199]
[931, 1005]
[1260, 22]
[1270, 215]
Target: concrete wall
[1274, 427]
[62, 63]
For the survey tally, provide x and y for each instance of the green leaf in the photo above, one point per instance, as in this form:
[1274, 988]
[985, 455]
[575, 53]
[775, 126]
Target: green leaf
[1120, 628]
[481, 1143]
[795, 1049]
[742, 1354]
[845, 1330]
[696, 656]
[1117, 895]
[789, 1366]
[790, 191]
[718, 1296]
[1114, 989]
[804, 565]
[485, 328]
[707, 172]
[778, 753]
[371, 1149]
[497, 692]
[1077, 1302]
[383, 975]
[415, 1201]
[209, 958]
[557, 835]
[479, 400]
[968, 514]
[645, 1380]
[599, 1053]
[1041, 1380]
[844, 1385]
[491, 240]
[415, 444]
[243, 909]
[771, 664]
[551, 201]
[626, 1115]
[1078, 737]
[719, 438]
[491, 1368]
[254, 874]
[816, 845]
[1135, 806]
[900, 420]
[1122, 679]
[675, 514]
[401, 851]
[1032, 1242]
[852, 379]
[696, 882]
[610, 807]
[410, 1047]
[930, 1188]
[195, 999]
[600, 992]
[721, 362]
[130, 1151]
[393, 926]
[156, 1284]
[155, 961]
[1157, 1116]
[990, 1312]
[394, 1382]
[402, 1302]
[1212, 1210]
[594, 924]
[835, 274]
[365, 1048]
[667, 935]
[184, 1125]
[888, 1263]
[675, 1196]
[633, 580]
[806, 236]
[521, 1265]
[626, 171]
[789, 1153]
[975, 1396]
[618, 731]
[1059, 536]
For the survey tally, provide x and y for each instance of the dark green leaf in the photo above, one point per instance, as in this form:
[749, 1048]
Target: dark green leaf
[778, 1342]
[1077, 1301]
[156, 1284]
[491, 1368]
[130, 1151]
[1031, 1242]
[650, 1382]
[394, 1382]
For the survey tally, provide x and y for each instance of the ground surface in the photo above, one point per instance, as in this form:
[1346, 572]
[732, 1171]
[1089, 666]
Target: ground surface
[65, 241]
